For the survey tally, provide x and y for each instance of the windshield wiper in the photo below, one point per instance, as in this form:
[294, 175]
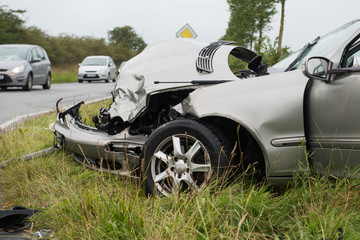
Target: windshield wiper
[302, 53]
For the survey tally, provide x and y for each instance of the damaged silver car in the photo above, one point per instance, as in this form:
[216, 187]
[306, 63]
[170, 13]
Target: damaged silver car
[180, 116]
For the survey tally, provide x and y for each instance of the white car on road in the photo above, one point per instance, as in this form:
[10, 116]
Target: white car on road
[97, 68]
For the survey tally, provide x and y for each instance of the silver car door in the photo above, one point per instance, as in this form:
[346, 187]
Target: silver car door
[332, 113]
[42, 65]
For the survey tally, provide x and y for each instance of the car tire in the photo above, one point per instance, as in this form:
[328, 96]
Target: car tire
[29, 83]
[166, 170]
[108, 78]
[47, 85]
[3, 88]
[80, 81]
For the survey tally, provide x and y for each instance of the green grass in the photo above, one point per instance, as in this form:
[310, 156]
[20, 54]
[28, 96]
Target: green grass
[79, 203]
[64, 74]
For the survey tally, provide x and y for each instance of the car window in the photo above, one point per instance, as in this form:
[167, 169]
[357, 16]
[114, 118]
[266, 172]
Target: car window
[94, 61]
[40, 54]
[33, 55]
[353, 60]
[352, 55]
[323, 45]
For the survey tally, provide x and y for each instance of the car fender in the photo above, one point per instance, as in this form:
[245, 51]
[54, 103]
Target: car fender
[269, 107]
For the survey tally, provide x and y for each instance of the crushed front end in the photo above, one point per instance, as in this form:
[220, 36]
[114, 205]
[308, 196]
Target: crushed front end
[147, 89]
[94, 148]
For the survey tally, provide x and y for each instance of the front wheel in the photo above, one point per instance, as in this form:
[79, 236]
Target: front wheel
[29, 83]
[47, 85]
[182, 155]
[108, 78]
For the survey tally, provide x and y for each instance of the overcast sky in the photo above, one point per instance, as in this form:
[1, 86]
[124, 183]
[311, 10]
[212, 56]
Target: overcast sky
[160, 19]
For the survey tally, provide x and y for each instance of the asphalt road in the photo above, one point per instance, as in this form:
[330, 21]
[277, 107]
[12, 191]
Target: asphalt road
[16, 103]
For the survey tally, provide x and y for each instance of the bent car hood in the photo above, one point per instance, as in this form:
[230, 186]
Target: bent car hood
[164, 66]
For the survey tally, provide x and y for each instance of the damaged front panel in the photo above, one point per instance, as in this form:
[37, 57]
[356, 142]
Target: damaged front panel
[148, 86]
[94, 148]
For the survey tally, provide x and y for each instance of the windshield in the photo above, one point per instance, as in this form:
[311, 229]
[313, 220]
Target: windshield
[324, 45]
[94, 61]
[13, 53]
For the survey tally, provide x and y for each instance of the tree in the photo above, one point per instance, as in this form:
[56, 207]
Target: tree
[272, 54]
[249, 20]
[264, 10]
[11, 25]
[126, 35]
[282, 21]
[241, 23]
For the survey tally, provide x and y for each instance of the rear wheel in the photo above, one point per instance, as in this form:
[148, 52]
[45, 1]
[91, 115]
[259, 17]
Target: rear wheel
[3, 88]
[182, 155]
[47, 85]
[29, 83]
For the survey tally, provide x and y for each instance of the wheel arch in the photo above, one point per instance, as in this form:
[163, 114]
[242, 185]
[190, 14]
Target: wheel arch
[250, 147]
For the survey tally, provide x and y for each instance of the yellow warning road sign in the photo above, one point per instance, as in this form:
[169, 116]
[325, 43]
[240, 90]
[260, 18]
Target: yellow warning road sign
[186, 32]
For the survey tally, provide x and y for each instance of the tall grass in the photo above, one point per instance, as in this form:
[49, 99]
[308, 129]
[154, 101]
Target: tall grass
[79, 203]
[64, 74]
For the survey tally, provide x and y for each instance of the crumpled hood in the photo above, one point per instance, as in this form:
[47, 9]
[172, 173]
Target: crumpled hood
[171, 63]
[11, 64]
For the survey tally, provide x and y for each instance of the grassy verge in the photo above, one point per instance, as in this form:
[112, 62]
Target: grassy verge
[64, 74]
[79, 203]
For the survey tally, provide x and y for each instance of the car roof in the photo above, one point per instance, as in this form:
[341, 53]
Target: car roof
[19, 45]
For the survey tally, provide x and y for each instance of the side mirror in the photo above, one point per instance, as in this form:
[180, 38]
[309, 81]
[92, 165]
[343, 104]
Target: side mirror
[79, 64]
[317, 68]
[35, 60]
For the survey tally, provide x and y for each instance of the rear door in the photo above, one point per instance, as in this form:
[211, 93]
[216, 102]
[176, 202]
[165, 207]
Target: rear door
[43, 66]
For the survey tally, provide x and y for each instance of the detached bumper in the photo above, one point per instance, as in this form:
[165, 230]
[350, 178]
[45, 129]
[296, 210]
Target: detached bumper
[118, 153]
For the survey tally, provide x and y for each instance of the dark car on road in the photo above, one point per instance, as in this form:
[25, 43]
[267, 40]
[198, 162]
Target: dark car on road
[23, 65]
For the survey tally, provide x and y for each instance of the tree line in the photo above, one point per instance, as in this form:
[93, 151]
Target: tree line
[123, 42]
[249, 21]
